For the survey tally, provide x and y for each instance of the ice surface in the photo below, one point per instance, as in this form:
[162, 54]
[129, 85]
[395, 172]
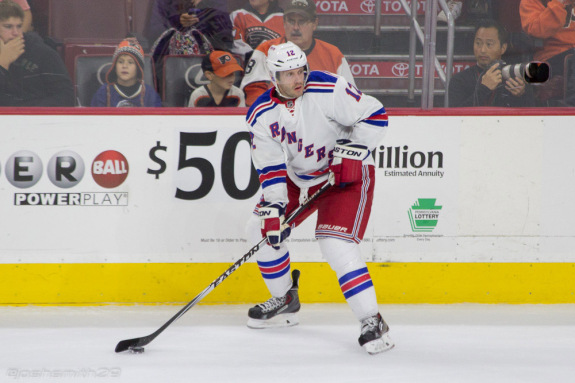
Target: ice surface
[434, 343]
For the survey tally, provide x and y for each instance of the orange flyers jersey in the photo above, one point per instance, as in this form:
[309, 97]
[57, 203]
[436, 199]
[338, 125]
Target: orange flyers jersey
[252, 30]
[321, 56]
[550, 23]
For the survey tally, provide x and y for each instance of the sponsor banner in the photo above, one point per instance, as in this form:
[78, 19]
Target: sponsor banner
[165, 188]
[124, 188]
[395, 69]
[364, 7]
[418, 173]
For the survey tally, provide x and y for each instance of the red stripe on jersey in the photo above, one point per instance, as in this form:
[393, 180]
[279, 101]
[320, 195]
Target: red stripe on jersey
[378, 117]
[257, 109]
[270, 175]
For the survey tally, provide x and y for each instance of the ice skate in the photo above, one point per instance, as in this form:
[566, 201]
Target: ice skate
[277, 311]
[374, 335]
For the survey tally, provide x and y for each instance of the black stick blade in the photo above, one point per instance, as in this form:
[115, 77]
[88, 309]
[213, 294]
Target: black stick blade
[125, 345]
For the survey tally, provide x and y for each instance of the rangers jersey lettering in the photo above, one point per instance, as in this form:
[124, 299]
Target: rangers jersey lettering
[296, 138]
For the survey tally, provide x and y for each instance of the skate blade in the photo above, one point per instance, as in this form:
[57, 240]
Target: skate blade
[379, 345]
[283, 320]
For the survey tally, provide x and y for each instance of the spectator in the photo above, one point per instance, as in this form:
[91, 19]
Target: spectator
[300, 21]
[455, 9]
[552, 21]
[258, 21]
[205, 21]
[27, 26]
[472, 11]
[482, 84]
[192, 30]
[31, 73]
[125, 86]
[220, 69]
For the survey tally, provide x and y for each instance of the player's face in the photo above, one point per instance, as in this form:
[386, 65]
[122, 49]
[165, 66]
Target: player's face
[487, 47]
[10, 29]
[299, 30]
[126, 70]
[291, 82]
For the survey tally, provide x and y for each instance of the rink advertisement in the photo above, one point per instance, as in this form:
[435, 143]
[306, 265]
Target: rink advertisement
[181, 189]
[139, 195]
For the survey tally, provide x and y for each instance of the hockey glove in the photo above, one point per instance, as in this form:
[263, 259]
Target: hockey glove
[272, 216]
[347, 162]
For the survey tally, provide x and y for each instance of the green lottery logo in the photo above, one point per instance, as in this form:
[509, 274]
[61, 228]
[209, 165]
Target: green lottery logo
[423, 215]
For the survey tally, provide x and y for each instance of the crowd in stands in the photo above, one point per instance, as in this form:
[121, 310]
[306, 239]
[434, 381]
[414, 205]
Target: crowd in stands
[232, 46]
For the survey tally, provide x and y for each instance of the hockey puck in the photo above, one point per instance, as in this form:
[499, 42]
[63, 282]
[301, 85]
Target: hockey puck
[136, 350]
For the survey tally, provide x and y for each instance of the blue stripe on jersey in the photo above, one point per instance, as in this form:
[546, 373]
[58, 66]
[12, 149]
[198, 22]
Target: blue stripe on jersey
[273, 181]
[321, 76]
[378, 118]
[305, 177]
[312, 175]
[260, 106]
[320, 82]
[318, 90]
[273, 168]
[271, 175]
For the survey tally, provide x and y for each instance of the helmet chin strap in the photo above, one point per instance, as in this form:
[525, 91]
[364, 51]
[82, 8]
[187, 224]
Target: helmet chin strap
[277, 85]
[280, 93]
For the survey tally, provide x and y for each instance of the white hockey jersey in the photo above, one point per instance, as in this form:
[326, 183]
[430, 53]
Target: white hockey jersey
[296, 138]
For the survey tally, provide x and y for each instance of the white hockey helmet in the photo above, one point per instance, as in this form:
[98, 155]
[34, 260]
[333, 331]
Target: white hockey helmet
[283, 57]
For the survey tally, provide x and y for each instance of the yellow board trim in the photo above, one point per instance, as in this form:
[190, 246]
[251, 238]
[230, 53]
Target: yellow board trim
[86, 284]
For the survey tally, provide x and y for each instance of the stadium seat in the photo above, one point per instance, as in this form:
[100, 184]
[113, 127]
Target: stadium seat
[74, 48]
[91, 72]
[181, 76]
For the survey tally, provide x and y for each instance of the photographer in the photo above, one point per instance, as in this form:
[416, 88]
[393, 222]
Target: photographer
[483, 84]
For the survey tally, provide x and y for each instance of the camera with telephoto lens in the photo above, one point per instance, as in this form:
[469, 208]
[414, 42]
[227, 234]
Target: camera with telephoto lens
[531, 72]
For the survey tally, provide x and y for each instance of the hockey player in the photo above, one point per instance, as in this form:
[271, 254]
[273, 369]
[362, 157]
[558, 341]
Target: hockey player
[308, 125]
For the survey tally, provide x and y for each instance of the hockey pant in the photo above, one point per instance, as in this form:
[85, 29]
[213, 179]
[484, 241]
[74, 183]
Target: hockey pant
[343, 257]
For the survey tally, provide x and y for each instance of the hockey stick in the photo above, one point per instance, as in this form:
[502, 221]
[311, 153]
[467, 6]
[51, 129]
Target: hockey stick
[130, 344]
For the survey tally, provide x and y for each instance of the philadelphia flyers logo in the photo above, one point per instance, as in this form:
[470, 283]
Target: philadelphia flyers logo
[224, 59]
